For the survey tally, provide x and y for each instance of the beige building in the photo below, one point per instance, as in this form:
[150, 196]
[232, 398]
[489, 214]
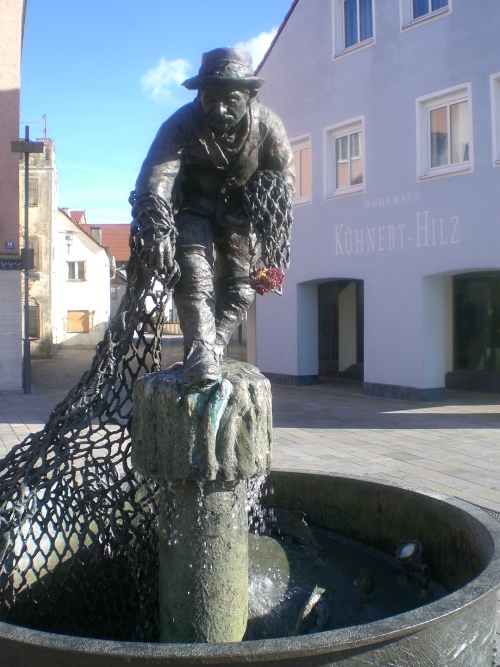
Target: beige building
[42, 200]
[11, 32]
[69, 286]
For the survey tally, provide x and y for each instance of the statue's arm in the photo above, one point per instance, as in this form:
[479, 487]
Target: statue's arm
[153, 227]
[278, 152]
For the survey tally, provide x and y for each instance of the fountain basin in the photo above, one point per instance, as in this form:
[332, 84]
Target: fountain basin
[462, 548]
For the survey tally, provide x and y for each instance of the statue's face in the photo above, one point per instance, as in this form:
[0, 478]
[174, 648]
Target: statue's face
[224, 108]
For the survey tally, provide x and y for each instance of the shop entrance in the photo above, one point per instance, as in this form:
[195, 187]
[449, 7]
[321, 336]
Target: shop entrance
[341, 329]
[477, 322]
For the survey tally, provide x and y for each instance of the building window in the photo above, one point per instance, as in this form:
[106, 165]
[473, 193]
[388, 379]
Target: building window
[33, 243]
[171, 315]
[33, 318]
[424, 7]
[495, 118]
[449, 134]
[76, 270]
[78, 321]
[302, 164]
[445, 132]
[417, 11]
[33, 192]
[345, 159]
[353, 24]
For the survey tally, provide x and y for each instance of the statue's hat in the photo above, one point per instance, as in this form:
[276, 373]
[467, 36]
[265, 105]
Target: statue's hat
[225, 66]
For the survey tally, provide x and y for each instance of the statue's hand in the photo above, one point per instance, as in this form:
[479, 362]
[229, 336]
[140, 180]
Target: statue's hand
[154, 235]
[160, 256]
[154, 251]
[157, 254]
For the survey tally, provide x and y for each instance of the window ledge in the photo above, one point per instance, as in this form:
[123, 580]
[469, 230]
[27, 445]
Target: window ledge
[345, 192]
[355, 47]
[301, 201]
[451, 171]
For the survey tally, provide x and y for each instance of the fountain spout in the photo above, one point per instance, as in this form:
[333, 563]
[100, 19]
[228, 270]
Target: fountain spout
[203, 446]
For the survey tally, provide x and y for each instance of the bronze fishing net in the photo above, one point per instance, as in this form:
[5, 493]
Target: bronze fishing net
[268, 202]
[78, 526]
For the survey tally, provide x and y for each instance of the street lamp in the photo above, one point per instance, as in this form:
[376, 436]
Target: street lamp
[27, 254]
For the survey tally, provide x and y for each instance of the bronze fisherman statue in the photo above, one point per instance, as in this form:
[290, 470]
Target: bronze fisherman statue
[216, 170]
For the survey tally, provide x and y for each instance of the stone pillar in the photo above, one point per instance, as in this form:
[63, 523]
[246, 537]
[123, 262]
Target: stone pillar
[203, 446]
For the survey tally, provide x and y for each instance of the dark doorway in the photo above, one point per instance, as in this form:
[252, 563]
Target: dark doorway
[341, 329]
[477, 322]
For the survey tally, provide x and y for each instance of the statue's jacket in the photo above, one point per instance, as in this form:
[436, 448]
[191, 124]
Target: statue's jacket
[192, 170]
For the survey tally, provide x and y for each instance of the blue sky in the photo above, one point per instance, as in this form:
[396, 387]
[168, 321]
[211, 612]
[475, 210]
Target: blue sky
[107, 74]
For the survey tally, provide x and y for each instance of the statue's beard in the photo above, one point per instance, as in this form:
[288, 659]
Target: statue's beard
[222, 128]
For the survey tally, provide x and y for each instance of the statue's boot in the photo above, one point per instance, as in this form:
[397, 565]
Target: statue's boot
[233, 294]
[233, 298]
[195, 304]
[201, 368]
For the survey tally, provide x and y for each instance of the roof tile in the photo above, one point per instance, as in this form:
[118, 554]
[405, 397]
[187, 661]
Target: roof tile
[115, 240]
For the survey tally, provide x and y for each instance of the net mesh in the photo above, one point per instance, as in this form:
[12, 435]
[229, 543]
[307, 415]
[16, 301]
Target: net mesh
[78, 526]
[268, 202]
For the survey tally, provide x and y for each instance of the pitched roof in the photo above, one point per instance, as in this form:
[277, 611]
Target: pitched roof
[120, 277]
[276, 37]
[80, 218]
[85, 227]
[77, 216]
[115, 240]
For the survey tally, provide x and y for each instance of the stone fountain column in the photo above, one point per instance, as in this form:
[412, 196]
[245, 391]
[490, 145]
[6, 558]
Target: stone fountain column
[204, 447]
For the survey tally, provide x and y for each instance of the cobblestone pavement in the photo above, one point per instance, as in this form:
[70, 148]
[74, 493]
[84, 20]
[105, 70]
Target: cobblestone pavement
[451, 446]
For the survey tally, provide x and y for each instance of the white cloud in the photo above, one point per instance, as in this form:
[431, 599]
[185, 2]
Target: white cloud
[258, 46]
[162, 81]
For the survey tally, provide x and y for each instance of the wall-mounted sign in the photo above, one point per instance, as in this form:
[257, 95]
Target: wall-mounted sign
[10, 245]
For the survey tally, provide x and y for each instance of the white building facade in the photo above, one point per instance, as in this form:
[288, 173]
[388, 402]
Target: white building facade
[393, 111]
[80, 286]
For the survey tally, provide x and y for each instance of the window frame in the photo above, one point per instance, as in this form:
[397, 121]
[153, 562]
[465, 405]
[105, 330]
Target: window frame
[34, 311]
[339, 46]
[34, 244]
[83, 264]
[33, 187]
[332, 133]
[406, 14]
[424, 105]
[299, 144]
[495, 117]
